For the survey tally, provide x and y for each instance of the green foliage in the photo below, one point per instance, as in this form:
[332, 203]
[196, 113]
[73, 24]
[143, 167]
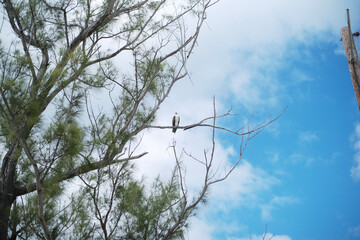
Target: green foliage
[15, 93]
[61, 216]
[82, 225]
[143, 213]
[64, 100]
[153, 5]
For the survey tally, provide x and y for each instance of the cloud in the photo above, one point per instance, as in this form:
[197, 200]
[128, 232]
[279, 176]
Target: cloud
[299, 158]
[248, 187]
[354, 231]
[304, 139]
[200, 229]
[275, 203]
[307, 137]
[241, 53]
[243, 187]
[275, 157]
[355, 171]
[300, 76]
[268, 236]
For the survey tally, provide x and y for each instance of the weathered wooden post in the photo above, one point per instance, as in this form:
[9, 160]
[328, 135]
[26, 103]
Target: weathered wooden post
[352, 57]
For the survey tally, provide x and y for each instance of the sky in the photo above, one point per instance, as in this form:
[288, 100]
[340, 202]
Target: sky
[300, 177]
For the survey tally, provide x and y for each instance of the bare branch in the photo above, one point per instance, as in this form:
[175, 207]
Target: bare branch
[201, 123]
[210, 176]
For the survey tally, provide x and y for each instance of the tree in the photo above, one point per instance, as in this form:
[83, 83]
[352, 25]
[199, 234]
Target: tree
[55, 132]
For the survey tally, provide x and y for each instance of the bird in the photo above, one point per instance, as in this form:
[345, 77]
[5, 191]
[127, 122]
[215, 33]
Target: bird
[175, 122]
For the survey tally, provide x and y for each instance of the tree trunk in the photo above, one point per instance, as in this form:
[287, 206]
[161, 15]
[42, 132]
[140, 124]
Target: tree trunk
[5, 205]
[7, 188]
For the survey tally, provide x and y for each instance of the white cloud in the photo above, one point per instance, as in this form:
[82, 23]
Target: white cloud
[268, 236]
[307, 137]
[243, 187]
[241, 51]
[300, 76]
[200, 229]
[299, 158]
[246, 187]
[355, 171]
[275, 203]
[273, 156]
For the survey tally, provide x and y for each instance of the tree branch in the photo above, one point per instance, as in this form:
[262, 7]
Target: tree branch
[85, 168]
[237, 132]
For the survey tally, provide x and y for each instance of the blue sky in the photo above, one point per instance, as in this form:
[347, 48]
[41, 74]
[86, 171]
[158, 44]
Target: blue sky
[311, 155]
[300, 176]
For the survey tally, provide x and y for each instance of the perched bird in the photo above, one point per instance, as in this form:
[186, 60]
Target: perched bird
[175, 122]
